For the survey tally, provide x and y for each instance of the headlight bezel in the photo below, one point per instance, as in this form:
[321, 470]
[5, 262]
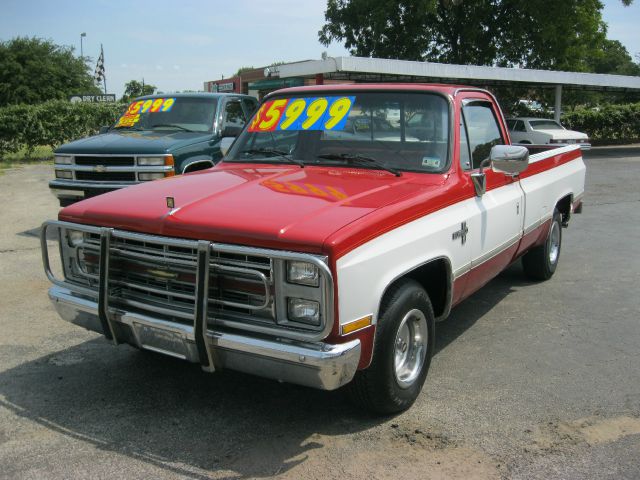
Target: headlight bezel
[312, 319]
[300, 272]
[151, 161]
[150, 176]
[63, 159]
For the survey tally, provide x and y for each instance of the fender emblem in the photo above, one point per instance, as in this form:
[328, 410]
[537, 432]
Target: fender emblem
[461, 234]
[170, 202]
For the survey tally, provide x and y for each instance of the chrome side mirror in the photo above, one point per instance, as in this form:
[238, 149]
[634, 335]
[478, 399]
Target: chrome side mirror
[509, 159]
[225, 144]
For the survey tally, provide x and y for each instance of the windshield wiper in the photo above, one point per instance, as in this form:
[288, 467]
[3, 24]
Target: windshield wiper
[360, 159]
[173, 125]
[274, 152]
[131, 127]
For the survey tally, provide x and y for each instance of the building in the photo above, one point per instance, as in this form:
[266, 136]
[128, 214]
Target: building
[260, 81]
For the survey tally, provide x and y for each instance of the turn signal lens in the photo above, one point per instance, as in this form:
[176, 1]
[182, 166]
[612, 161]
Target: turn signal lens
[169, 162]
[356, 324]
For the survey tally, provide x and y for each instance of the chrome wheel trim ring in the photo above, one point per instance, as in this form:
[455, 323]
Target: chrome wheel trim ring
[410, 348]
[554, 243]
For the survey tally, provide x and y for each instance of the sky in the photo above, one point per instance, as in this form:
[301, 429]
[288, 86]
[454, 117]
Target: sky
[178, 45]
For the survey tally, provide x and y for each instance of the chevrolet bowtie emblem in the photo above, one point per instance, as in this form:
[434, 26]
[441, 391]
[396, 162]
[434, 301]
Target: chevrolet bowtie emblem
[170, 202]
[461, 234]
[163, 274]
[100, 168]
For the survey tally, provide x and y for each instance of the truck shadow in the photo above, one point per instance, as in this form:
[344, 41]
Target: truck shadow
[173, 416]
[472, 309]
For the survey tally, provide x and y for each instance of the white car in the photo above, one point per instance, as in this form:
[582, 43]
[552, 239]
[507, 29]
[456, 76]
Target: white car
[540, 131]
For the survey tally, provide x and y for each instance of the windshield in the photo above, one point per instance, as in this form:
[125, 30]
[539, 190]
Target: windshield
[170, 113]
[391, 131]
[545, 125]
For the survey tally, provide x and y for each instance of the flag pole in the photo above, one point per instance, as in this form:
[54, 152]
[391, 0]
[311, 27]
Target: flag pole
[104, 76]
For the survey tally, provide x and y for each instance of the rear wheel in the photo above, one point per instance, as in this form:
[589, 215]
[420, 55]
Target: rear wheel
[402, 353]
[540, 262]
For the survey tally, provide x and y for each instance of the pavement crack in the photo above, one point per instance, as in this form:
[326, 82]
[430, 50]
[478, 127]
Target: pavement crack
[14, 250]
[612, 203]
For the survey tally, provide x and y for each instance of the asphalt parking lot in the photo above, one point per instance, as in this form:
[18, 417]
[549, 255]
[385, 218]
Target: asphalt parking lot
[530, 380]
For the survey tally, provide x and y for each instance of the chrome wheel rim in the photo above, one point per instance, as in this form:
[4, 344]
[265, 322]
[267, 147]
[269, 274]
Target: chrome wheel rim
[554, 243]
[410, 348]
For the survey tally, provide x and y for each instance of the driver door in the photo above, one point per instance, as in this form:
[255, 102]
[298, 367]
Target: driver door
[495, 218]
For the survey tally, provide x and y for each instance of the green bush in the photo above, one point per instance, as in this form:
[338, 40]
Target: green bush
[52, 123]
[611, 123]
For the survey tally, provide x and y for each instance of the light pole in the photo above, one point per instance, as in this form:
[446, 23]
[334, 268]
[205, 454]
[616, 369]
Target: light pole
[82, 35]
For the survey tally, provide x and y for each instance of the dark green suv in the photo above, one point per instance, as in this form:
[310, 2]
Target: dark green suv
[158, 136]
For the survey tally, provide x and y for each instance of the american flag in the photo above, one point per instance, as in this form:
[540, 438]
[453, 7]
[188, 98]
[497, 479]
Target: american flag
[99, 73]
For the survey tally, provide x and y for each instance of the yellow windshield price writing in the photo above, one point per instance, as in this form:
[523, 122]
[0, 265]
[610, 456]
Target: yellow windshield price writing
[152, 105]
[291, 114]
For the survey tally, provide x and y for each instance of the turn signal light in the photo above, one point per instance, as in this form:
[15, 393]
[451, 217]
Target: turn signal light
[356, 324]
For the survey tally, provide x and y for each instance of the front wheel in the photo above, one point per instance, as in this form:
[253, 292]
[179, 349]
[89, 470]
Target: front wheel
[540, 262]
[402, 353]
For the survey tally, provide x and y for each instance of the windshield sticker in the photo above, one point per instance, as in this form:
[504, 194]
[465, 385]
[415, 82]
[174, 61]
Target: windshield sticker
[291, 114]
[153, 105]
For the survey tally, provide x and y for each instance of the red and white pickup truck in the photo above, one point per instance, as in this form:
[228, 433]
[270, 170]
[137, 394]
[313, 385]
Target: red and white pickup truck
[342, 224]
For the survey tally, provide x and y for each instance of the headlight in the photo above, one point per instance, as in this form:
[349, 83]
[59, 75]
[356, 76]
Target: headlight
[75, 237]
[64, 174]
[302, 273]
[62, 160]
[145, 176]
[303, 311]
[151, 161]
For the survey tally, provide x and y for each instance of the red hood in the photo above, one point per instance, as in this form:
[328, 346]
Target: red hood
[282, 207]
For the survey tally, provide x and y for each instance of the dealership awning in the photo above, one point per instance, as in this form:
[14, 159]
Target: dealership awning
[361, 69]
[275, 83]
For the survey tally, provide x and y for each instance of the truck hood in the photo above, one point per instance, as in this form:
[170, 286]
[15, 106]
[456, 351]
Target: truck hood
[270, 206]
[128, 142]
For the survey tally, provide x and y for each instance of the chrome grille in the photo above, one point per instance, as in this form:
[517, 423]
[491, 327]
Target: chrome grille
[105, 160]
[159, 278]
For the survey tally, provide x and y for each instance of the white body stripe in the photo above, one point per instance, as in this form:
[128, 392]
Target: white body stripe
[495, 222]
[543, 190]
[365, 272]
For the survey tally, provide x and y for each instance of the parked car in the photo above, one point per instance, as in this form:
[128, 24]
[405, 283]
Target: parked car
[319, 260]
[158, 136]
[540, 131]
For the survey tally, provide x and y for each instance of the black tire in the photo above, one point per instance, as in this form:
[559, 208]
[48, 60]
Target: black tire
[540, 262]
[381, 388]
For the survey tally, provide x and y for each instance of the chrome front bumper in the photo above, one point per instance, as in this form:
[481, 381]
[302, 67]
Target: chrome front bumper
[74, 189]
[313, 364]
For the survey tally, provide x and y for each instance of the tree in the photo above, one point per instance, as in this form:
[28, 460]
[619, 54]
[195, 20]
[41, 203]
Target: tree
[529, 33]
[134, 88]
[613, 57]
[241, 70]
[33, 70]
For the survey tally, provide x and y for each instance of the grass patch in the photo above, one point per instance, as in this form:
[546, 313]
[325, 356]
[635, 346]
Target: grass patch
[22, 157]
